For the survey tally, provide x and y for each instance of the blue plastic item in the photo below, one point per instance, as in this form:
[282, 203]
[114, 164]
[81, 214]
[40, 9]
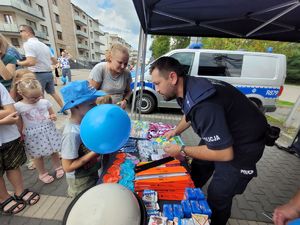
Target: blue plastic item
[195, 207]
[178, 211]
[205, 208]
[199, 194]
[187, 209]
[190, 194]
[168, 211]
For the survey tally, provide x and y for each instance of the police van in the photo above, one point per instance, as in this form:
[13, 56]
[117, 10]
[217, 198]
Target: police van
[260, 76]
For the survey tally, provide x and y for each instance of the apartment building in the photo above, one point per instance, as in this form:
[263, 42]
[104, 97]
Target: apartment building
[57, 23]
[110, 39]
[88, 32]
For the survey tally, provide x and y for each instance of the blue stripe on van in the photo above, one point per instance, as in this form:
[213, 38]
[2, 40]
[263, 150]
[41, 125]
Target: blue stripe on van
[266, 92]
[147, 84]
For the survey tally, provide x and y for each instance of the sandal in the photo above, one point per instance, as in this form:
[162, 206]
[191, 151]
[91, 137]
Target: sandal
[14, 208]
[46, 178]
[59, 172]
[28, 197]
[30, 165]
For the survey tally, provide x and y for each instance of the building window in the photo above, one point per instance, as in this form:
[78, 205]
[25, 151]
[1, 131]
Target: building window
[93, 56]
[76, 12]
[15, 42]
[44, 29]
[83, 16]
[59, 35]
[54, 2]
[57, 20]
[8, 18]
[78, 27]
[91, 23]
[41, 9]
[92, 45]
[27, 2]
[84, 30]
[87, 54]
[32, 24]
[86, 43]
[91, 34]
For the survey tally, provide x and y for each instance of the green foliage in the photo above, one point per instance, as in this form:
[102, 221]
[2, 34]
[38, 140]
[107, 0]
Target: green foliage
[163, 44]
[179, 42]
[160, 45]
[293, 70]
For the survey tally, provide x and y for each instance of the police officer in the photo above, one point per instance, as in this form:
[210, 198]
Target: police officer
[231, 128]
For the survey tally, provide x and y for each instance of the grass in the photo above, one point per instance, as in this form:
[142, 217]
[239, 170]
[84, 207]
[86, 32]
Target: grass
[281, 103]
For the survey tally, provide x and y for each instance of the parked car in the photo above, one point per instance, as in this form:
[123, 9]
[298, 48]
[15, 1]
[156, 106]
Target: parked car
[260, 76]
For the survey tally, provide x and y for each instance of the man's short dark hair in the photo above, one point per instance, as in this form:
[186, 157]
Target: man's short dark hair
[168, 64]
[28, 28]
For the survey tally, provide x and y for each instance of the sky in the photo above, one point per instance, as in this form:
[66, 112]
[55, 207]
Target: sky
[117, 16]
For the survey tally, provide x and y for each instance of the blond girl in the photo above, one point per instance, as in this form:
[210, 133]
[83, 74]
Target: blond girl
[40, 135]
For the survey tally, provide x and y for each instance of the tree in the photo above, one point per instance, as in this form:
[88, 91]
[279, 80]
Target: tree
[160, 45]
[180, 42]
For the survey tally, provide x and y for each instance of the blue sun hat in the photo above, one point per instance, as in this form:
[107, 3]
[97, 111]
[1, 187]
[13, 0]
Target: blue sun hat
[77, 92]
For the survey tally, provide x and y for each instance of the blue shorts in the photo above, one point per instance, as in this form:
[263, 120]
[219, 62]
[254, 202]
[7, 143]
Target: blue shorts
[46, 80]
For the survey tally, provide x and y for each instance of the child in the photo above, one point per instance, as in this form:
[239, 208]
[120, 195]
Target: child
[12, 156]
[65, 65]
[40, 135]
[21, 74]
[81, 165]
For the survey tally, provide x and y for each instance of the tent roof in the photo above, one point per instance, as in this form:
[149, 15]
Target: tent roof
[255, 19]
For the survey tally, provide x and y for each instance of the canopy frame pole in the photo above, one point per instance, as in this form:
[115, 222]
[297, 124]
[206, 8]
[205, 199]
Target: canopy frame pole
[173, 17]
[133, 115]
[144, 46]
[274, 18]
[276, 7]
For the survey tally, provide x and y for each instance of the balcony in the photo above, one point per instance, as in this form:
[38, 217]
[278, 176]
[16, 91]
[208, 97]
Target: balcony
[83, 47]
[9, 28]
[21, 7]
[41, 34]
[98, 42]
[99, 51]
[80, 21]
[98, 31]
[81, 34]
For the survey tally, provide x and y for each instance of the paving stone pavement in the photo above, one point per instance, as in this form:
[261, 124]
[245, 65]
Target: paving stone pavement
[277, 181]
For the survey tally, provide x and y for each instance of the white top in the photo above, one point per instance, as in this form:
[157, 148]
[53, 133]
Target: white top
[34, 48]
[33, 115]
[7, 132]
[70, 144]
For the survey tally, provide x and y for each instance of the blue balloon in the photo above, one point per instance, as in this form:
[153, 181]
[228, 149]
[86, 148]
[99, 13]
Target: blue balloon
[105, 128]
[295, 222]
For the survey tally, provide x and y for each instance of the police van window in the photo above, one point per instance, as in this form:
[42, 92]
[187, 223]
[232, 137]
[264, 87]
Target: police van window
[219, 64]
[186, 59]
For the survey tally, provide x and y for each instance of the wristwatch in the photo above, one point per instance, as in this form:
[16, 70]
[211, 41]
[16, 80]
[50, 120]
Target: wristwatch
[182, 150]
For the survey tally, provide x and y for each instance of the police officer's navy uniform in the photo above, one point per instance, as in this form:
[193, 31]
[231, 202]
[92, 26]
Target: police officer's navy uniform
[222, 117]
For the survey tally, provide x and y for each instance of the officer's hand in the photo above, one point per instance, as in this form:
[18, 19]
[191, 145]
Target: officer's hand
[169, 134]
[285, 213]
[10, 119]
[172, 150]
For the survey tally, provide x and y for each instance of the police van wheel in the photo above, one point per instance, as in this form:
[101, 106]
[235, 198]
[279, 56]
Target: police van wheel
[258, 105]
[148, 104]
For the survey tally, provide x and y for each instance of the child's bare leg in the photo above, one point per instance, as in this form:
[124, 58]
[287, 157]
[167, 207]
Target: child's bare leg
[40, 166]
[55, 160]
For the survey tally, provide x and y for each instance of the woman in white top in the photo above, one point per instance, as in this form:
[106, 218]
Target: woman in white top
[112, 76]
